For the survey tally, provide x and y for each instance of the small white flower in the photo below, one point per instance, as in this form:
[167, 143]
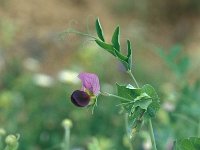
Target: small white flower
[170, 107]
[43, 80]
[67, 76]
[31, 64]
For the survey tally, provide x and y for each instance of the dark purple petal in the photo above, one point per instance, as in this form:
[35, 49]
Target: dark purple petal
[80, 98]
[90, 82]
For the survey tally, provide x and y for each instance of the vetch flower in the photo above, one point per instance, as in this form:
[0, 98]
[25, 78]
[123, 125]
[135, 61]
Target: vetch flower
[80, 98]
[90, 82]
[90, 90]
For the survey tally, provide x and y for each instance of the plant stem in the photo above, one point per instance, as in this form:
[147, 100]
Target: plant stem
[150, 123]
[127, 131]
[152, 135]
[199, 129]
[132, 76]
[1, 144]
[115, 96]
[66, 142]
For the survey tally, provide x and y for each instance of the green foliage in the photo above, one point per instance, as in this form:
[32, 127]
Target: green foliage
[21, 100]
[116, 38]
[192, 143]
[155, 105]
[107, 47]
[36, 112]
[138, 102]
[129, 53]
[145, 98]
[115, 48]
[99, 30]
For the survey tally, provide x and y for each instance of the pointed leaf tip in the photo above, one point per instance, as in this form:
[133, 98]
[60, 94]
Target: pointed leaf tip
[129, 53]
[99, 30]
[116, 38]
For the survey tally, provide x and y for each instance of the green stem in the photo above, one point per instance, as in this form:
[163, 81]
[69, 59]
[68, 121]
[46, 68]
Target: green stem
[152, 135]
[199, 129]
[66, 142]
[132, 76]
[150, 123]
[115, 96]
[127, 131]
[1, 144]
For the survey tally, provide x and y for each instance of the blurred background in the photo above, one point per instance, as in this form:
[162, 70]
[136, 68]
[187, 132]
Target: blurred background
[39, 68]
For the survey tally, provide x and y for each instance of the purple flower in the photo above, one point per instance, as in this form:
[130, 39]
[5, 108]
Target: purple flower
[90, 89]
[90, 82]
[80, 98]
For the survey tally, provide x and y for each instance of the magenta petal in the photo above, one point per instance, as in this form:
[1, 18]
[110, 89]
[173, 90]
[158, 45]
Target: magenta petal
[90, 82]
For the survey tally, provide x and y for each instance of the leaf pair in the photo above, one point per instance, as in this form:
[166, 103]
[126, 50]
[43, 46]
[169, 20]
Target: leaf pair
[146, 98]
[114, 48]
[143, 104]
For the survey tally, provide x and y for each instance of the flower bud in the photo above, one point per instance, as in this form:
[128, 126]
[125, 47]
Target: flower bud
[67, 123]
[80, 98]
[11, 140]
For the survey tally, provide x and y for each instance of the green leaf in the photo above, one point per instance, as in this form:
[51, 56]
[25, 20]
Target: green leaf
[123, 59]
[155, 105]
[140, 105]
[143, 101]
[142, 96]
[128, 93]
[148, 89]
[135, 122]
[129, 53]
[192, 143]
[99, 30]
[115, 39]
[107, 47]
[120, 56]
[138, 99]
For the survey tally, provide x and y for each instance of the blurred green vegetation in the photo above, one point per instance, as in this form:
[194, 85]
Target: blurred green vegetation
[35, 99]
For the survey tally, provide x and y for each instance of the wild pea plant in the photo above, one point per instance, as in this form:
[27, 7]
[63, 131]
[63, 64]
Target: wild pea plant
[140, 103]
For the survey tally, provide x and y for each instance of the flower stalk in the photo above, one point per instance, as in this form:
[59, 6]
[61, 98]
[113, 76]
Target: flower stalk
[149, 121]
[152, 135]
[67, 124]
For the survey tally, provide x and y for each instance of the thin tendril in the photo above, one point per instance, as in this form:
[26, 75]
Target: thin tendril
[70, 31]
